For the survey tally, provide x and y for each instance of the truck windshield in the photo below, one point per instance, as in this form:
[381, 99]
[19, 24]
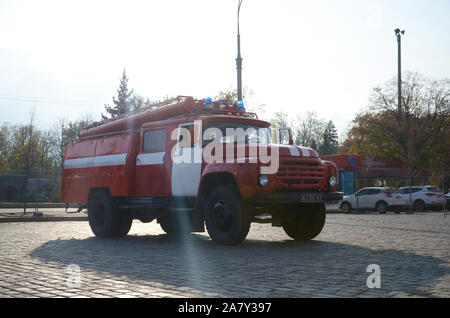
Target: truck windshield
[230, 132]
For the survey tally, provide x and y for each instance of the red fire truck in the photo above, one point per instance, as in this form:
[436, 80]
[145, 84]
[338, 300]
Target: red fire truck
[130, 168]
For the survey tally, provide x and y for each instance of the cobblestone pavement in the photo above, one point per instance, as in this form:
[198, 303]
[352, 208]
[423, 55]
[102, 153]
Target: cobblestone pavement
[411, 250]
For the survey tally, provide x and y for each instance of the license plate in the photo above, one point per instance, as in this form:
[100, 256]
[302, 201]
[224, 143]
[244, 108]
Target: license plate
[311, 197]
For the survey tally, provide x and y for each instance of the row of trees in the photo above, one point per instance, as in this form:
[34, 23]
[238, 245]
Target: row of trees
[310, 131]
[26, 148]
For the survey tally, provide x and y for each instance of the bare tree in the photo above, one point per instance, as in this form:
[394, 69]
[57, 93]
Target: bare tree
[5, 145]
[416, 132]
[24, 150]
[417, 126]
[309, 130]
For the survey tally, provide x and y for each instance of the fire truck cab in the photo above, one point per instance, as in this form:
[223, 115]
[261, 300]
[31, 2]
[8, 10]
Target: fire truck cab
[180, 165]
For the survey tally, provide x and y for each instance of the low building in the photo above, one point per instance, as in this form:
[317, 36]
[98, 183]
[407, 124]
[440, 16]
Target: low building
[356, 172]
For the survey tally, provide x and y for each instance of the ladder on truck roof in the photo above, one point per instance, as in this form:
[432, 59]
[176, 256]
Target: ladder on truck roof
[181, 106]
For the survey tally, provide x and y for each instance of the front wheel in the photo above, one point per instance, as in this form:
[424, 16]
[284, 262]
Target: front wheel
[381, 207]
[226, 218]
[346, 207]
[305, 225]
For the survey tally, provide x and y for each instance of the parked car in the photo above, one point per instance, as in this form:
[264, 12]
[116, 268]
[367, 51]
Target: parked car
[447, 200]
[373, 198]
[423, 197]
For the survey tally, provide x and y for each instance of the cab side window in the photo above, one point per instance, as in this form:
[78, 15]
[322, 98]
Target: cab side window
[154, 141]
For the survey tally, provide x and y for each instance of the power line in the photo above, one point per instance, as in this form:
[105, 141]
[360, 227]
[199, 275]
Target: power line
[46, 101]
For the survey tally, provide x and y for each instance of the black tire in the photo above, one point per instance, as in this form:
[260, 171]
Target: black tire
[382, 207]
[305, 225]
[227, 220]
[346, 207]
[124, 224]
[176, 224]
[105, 219]
[419, 206]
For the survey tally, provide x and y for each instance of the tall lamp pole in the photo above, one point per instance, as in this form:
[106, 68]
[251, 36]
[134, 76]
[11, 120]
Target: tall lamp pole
[399, 34]
[239, 58]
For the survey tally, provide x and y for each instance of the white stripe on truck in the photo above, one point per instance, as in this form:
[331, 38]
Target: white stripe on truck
[294, 151]
[144, 159]
[100, 161]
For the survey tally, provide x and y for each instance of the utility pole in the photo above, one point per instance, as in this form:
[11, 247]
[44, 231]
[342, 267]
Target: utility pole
[239, 58]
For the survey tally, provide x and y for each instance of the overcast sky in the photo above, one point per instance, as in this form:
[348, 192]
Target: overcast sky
[298, 55]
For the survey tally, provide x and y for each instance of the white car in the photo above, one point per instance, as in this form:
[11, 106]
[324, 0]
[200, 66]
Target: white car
[423, 197]
[378, 198]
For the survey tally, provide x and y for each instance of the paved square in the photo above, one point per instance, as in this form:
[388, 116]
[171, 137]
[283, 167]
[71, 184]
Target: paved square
[64, 259]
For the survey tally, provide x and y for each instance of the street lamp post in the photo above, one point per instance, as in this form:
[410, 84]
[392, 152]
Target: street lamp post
[399, 34]
[239, 58]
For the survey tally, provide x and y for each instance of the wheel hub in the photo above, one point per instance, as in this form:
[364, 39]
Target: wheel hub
[222, 215]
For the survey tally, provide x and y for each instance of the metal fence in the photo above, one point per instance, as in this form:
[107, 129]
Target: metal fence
[441, 181]
[38, 186]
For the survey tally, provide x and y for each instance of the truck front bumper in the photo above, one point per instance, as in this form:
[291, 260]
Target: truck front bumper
[297, 197]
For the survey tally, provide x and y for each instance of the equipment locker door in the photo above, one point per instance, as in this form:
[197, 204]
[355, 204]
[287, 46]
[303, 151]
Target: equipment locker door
[151, 164]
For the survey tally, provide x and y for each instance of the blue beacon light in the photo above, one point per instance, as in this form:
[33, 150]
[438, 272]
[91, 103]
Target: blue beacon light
[240, 106]
[208, 101]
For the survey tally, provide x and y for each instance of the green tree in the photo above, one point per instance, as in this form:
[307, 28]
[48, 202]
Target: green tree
[122, 104]
[329, 140]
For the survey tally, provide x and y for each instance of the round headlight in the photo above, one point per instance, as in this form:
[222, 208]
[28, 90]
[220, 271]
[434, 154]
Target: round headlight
[332, 181]
[263, 180]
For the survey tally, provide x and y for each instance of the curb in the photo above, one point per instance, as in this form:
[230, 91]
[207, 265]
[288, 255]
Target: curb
[43, 219]
[32, 205]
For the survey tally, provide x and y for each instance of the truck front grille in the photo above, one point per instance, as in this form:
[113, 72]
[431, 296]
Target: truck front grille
[300, 174]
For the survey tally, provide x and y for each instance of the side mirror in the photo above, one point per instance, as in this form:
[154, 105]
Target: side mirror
[291, 137]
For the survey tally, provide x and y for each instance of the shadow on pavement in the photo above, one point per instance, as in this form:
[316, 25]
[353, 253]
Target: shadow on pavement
[253, 269]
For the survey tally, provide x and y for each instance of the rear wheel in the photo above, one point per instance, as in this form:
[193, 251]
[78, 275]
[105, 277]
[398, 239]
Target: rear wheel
[226, 218]
[105, 219]
[305, 225]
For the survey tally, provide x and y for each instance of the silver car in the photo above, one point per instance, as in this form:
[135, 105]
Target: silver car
[380, 199]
